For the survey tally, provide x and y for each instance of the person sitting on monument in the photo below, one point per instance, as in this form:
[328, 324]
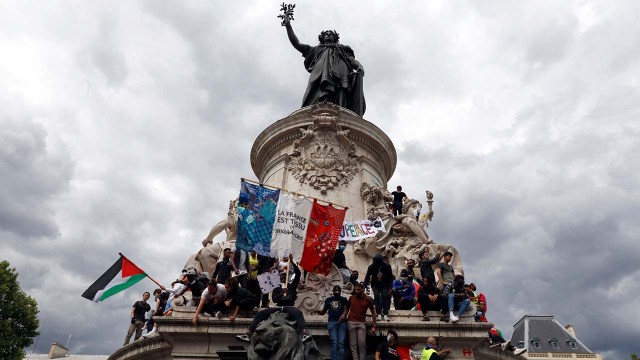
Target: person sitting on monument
[176, 287]
[404, 293]
[264, 315]
[161, 298]
[429, 298]
[496, 339]
[288, 293]
[426, 265]
[398, 199]
[458, 299]
[430, 352]
[340, 261]
[239, 298]
[388, 350]
[410, 265]
[381, 278]
[212, 301]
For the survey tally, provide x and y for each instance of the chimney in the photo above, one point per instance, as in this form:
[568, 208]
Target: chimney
[57, 350]
[569, 328]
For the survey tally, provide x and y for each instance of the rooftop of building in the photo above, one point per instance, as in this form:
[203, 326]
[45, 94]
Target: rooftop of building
[544, 334]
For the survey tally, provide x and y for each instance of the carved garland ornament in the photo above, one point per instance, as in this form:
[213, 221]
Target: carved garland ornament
[324, 157]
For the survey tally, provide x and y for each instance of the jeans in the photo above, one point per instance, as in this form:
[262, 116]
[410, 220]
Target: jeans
[463, 305]
[337, 334]
[358, 340]
[381, 299]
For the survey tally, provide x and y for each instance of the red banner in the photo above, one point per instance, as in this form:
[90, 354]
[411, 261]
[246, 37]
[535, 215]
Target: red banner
[321, 241]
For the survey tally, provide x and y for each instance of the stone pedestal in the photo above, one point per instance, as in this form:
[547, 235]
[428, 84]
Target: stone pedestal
[179, 339]
[327, 152]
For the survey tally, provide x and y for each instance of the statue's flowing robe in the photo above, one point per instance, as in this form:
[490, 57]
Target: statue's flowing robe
[332, 78]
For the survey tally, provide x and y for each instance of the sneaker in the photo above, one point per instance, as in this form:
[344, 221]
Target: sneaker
[386, 318]
[425, 318]
[519, 351]
[218, 315]
[453, 317]
[379, 317]
[492, 345]
[244, 337]
[306, 337]
[154, 331]
[505, 345]
[444, 318]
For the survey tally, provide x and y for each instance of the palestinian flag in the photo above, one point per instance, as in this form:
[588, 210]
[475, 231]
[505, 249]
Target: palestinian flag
[120, 276]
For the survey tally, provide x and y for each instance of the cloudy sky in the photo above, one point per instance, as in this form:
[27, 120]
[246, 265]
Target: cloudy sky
[126, 127]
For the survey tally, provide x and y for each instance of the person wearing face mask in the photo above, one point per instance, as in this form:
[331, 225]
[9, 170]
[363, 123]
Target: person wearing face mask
[381, 278]
[404, 293]
[341, 261]
[388, 350]
[336, 306]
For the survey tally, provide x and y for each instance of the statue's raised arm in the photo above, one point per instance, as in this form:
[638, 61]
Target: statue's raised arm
[335, 74]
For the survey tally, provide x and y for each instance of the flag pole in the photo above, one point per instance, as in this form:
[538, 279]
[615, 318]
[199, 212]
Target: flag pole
[144, 272]
[293, 192]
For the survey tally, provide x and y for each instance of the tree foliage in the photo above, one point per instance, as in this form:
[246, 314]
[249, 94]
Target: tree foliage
[18, 320]
[634, 356]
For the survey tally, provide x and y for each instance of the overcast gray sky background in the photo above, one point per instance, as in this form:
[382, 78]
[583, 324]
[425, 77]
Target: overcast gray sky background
[126, 126]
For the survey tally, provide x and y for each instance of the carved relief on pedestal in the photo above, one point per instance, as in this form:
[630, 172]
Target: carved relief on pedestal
[324, 157]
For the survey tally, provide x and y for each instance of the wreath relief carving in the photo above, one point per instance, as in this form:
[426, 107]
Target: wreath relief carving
[324, 157]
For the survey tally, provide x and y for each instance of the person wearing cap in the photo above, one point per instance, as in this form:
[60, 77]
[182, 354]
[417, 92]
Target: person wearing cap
[430, 352]
[337, 307]
[404, 293]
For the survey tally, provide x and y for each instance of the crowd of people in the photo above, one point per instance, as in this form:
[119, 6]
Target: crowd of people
[233, 289]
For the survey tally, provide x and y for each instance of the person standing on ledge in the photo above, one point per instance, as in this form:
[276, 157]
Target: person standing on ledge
[336, 76]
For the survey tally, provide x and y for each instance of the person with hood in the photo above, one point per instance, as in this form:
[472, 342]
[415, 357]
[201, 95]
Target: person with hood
[459, 298]
[380, 277]
[404, 293]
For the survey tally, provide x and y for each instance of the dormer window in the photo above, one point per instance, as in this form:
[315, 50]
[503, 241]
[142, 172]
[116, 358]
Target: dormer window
[572, 344]
[554, 343]
[536, 343]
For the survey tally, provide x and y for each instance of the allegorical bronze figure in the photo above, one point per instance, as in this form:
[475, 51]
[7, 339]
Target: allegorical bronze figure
[336, 76]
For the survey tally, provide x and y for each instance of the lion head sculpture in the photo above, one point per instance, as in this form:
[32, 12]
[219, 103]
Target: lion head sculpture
[278, 338]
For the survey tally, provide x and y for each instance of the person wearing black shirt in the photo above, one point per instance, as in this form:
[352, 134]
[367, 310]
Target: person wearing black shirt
[138, 311]
[381, 278]
[337, 307]
[387, 350]
[224, 267]
[240, 298]
[398, 197]
[429, 298]
[426, 265]
[288, 295]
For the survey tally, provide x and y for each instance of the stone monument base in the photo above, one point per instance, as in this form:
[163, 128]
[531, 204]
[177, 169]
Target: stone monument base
[179, 339]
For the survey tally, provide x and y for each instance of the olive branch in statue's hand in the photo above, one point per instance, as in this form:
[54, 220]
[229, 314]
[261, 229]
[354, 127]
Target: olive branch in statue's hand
[287, 13]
